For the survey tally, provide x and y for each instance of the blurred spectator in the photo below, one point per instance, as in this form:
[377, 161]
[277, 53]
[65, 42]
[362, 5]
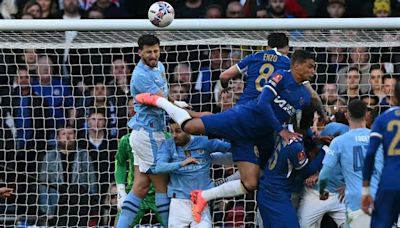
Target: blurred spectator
[27, 16]
[375, 80]
[71, 10]
[370, 100]
[339, 106]
[226, 101]
[208, 77]
[332, 8]
[29, 113]
[101, 151]
[120, 93]
[213, 11]
[359, 58]
[178, 92]
[381, 8]
[110, 10]
[237, 88]
[353, 77]
[57, 94]
[329, 94]
[234, 10]
[277, 9]
[8, 9]
[33, 7]
[29, 59]
[388, 87]
[94, 14]
[261, 11]
[68, 180]
[49, 9]
[183, 75]
[235, 213]
[191, 8]
[99, 100]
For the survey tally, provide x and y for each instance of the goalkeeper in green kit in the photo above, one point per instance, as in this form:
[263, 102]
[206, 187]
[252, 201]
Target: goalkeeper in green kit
[124, 185]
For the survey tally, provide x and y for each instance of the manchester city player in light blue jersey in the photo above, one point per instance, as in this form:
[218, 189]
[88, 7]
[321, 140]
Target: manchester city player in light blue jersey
[257, 68]
[148, 126]
[386, 132]
[347, 152]
[187, 159]
[250, 127]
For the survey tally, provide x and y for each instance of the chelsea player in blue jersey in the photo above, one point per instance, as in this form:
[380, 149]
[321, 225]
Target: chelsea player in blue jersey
[250, 127]
[258, 67]
[347, 152]
[385, 131]
[187, 159]
[148, 126]
[288, 163]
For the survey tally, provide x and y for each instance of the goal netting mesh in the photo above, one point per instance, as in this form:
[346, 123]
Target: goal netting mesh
[81, 79]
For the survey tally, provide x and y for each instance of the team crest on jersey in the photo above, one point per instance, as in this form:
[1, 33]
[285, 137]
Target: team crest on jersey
[277, 78]
[301, 157]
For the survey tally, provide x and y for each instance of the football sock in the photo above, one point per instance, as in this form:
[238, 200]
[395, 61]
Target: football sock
[130, 208]
[227, 189]
[162, 203]
[179, 115]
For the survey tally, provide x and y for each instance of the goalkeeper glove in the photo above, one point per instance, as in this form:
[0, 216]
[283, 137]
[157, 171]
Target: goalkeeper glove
[121, 195]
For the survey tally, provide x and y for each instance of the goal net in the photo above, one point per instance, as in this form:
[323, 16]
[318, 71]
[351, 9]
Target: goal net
[81, 79]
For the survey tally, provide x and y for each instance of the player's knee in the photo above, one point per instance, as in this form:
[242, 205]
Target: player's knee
[141, 188]
[189, 127]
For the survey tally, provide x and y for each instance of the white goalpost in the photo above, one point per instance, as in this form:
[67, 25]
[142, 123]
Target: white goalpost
[76, 68]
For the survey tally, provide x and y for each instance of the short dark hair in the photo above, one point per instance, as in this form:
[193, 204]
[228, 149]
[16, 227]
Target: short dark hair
[95, 110]
[354, 69]
[377, 67]
[148, 39]
[371, 96]
[386, 76]
[357, 109]
[278, 40]
[300, 56]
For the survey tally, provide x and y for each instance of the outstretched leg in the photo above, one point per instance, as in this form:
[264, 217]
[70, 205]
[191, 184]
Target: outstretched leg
[189, 121]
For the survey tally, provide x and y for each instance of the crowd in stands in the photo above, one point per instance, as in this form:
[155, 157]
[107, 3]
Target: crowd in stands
[117, 9]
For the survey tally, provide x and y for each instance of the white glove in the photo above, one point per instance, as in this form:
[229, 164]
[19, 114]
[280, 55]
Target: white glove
[121, 195]
[181, 104]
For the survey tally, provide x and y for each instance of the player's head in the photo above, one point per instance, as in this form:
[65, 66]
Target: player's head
[149, 49]
[303, 65]
[66, 138]
[280, 41]
[356, 111]
[181, 138]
